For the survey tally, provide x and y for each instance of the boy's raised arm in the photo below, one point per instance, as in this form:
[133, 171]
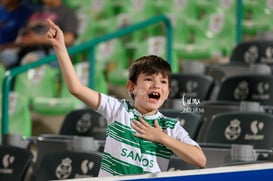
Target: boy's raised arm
[74, 85]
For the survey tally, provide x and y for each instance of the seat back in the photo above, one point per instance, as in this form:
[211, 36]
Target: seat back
[15, 162]
[251, 128]
[156, 45]
[37, 82]
[255, 51]
[191, 85]
[19, 114]
[256, 16]
[82, 70]
[68, 165]
[190, 121]
[84, 122]
[100, 12]
[111, 57]
[247, 88]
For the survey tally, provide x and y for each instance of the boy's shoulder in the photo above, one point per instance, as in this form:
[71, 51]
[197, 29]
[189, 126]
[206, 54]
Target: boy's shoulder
[127, 104]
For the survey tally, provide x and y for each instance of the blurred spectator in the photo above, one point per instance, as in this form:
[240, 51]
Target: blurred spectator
[32, 41]
[13, 16]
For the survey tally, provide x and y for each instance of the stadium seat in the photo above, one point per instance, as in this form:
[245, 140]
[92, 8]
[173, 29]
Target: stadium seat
[256, 17]
[112, 59]
[82, 70]
[211, 108]
[188, 34]
[247, 88]
[63, 102]
[37, 82]
[138, 11]
[208, 38]
[15, 162]
[68, 165]
[185, 8]
[41, 86]
[100, 13]
[84, 122]
[151, 46]
[191, 85]
[190, 121]
[19, 114]
[156, 45]
[252, 128]
[255, 51]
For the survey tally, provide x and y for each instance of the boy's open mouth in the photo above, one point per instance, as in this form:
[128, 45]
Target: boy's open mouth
[154, 95]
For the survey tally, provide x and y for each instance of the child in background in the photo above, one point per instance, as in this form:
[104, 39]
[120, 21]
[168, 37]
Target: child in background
[139, 138]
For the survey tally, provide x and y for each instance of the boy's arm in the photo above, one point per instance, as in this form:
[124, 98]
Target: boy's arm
[190, 153]
[74, 85]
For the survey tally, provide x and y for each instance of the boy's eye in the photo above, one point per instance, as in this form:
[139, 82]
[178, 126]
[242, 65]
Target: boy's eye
[164, 82]
[148, 79]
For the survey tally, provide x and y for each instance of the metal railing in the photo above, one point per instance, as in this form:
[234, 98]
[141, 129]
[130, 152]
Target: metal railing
[90, 45]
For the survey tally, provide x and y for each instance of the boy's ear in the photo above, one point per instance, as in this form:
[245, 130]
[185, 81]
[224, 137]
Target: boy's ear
[130, 86]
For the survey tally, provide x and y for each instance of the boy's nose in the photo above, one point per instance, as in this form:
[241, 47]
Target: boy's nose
[156, 84]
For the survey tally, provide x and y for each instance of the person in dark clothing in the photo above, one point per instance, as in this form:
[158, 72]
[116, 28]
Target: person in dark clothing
[13, 16]
[33, 44]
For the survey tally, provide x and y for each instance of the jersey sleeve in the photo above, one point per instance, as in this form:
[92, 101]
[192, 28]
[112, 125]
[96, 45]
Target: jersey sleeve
[182, 135]
[109, 107]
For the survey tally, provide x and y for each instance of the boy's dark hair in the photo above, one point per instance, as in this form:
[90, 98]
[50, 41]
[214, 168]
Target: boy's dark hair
[150, 64]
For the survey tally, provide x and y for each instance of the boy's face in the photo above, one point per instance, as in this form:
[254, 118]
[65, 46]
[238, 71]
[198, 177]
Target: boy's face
[150, 92]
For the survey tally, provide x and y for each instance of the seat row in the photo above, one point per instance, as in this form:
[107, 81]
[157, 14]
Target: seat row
[64, 155]
[19, 164]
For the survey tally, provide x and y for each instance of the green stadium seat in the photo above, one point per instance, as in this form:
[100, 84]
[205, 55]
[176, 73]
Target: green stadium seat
[138, 11]
[99, 9]
[19, 114]
[41, 87]
[210, 38]
[37, 82]
[153, 45]
[111, 57]
[188, 34]
[96, 17]
[184, 8]
[65, 102]
[156, 45]
[256, 17]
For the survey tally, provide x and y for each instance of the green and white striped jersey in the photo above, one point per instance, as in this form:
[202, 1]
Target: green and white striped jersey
[125, 153]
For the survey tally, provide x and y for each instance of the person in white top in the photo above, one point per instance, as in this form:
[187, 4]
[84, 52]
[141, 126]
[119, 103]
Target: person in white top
[139, 138]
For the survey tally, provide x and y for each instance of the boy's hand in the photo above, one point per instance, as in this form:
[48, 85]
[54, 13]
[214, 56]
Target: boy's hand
[146, 131]
[55, 34]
